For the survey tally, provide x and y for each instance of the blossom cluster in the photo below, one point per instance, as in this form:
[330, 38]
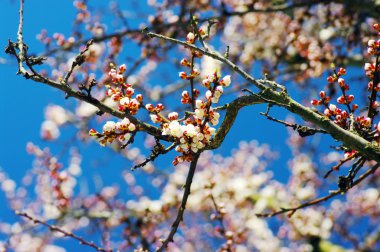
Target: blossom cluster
[344, 117]
[57, 189]
[373, 45]
[120, 130]
[123, 93]
[192, 133]
[340, 116]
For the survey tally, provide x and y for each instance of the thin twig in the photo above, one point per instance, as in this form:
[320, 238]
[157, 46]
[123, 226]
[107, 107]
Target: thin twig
[65, 233]
[303, 131]
[321, 199]
[211, 54]
[157, 151]
[20, 40]
[341, 162]
[79, 59]
[219, 215]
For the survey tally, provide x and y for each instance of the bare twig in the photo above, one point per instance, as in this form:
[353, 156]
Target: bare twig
[341, 162]
[158, 149]
[303, 131]
[65, 233]
[219, 214]
[79, 59]
[321, 199]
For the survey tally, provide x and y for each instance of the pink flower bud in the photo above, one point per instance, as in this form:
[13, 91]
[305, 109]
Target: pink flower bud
[314, 102]
[93, 132]
[366, 122]
[173, 116]
[341, 100]
[341, 71]
[195, 72]
[131, 127]
[190, 37]
[159, 107]
[344, 114]
[139, 97]
[183, 75]
[208, 94]
[350, 98]
[122, 68]
[149, 107]
[120, 78]
[154, 118]
[330, 79]
[341, 82]
[322, 94]
[129, 92]
[332, 107]
[368, 66]
[185, 62]
[226, 81]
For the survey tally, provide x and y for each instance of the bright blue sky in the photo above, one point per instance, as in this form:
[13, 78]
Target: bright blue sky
[22, 102]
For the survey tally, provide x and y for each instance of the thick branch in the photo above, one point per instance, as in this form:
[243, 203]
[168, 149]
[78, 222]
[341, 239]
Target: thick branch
[232, 110]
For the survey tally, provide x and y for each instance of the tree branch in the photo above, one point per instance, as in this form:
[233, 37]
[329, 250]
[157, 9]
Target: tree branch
[65, 233]
[181, 210]
[282, 99]
[232, 110]
[322, 199]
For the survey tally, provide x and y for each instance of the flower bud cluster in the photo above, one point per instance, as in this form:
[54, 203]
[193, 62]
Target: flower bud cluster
[190, 39]
[154, 111]
[191, 136]
[340, 116]
[186, 99]
[364, 121]
[82, 9]
[370, 70]
[195, 132]
[62, 41]
[194, 73]
[123, 92]
[323, 99]
[373, 47]
[361, 124]
[114, 130]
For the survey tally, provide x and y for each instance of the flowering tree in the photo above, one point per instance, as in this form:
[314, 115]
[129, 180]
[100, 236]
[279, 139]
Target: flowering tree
[229, 55]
